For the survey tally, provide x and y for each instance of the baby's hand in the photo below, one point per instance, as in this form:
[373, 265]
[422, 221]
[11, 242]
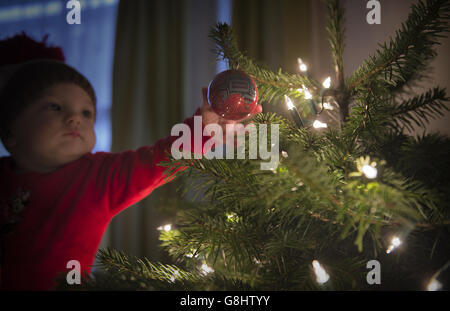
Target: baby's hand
[210, 117]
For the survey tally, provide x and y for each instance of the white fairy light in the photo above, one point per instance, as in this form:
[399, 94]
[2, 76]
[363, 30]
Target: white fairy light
[317, 124]
[305, 90]
[308, 95]
[293, 111]
[434, 285]
[321, 275]
[369, 171]
[395, 242]
[166, 228]
[327, 83]
[232, 217]
[289, 103]
[328, 106]
[206, 269]
[191, 255]
[302, 65]
[174, 276]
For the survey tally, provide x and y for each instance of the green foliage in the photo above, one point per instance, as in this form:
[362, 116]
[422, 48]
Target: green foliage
[420, 109]
[336, 32]
[272, 85]
[404, 58]
[261, 229]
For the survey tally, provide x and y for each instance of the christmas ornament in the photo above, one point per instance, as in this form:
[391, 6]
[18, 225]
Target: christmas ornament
[233, 95]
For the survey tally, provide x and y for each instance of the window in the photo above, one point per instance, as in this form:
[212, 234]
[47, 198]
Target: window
[88, 47]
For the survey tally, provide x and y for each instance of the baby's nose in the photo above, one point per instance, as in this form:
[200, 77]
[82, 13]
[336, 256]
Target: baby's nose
[73, 118]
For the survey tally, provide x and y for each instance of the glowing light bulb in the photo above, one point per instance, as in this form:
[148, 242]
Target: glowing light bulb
[302, 65]
[289, 103]
[327, 83]
[308, 95]
[305, 90]
[166, 228]
[321, 275]
[232, 217]
[369, 171]
[174, 276]
[328, 106]
[395, 242]
[206, 269]
[317, 124]
[434, 285]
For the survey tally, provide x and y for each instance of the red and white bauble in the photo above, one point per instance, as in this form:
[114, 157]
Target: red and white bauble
[233, 95]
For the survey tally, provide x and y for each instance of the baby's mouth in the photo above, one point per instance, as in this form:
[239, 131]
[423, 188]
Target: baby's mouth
[73, 134]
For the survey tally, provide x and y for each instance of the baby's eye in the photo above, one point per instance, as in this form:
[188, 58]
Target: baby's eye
[54, 107]
[87, 113]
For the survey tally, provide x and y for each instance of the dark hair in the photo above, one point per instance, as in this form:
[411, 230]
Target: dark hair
[28, 83]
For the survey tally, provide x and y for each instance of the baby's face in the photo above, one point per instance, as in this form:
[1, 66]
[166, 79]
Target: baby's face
[54, 130]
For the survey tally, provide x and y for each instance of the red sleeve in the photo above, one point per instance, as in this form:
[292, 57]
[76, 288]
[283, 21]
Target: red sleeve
[126, 178]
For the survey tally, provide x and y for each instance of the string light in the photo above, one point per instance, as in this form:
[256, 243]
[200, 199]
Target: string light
[366, 167]
[289, 103]
[301, 65]
[174, 276]
[232, 217]
[395, 242]
[434, 285]
[293, 111]
[206, 269]
[305, 90]
[166, 228]
[321, 275]
[317, 124]
[328, 106]
[369, 171]
[327, 83]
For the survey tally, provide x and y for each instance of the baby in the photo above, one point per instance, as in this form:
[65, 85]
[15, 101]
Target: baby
[56, 197]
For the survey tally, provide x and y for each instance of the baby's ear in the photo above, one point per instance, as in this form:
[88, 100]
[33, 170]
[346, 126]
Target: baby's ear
[205, 96]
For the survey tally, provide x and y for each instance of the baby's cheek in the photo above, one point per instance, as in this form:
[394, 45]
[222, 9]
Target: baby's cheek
[92, 141]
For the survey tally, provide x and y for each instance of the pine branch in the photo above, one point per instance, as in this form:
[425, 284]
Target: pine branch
[137, 274]
[398, 62]
[271, 85]
[421, 108]
[336, 33]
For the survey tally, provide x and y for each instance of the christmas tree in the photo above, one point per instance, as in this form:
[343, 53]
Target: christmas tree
[352, 192]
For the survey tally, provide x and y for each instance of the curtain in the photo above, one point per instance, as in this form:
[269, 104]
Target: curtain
[276, 33]
[147, 101]
[162, 60]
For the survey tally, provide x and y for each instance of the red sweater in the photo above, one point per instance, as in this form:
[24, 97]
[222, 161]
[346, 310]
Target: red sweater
[62, 215]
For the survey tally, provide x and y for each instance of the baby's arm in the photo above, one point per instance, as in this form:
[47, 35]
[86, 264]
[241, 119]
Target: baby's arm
[126, 178]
